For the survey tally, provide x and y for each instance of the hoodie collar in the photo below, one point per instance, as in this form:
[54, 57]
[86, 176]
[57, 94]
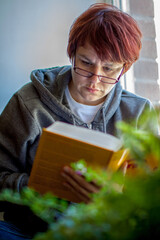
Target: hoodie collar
[51, 84]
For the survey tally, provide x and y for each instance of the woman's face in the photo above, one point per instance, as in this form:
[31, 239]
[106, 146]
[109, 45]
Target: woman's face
[91, 91]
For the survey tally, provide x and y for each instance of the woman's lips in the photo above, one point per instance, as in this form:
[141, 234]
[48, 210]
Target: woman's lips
[92, 90]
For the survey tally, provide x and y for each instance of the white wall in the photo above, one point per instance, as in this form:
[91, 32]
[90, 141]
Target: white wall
[157, 25]
[33, 34]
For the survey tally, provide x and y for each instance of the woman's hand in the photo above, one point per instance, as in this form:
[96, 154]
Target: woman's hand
[77, 184]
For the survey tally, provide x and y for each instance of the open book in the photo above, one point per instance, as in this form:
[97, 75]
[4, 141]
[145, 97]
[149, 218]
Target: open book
[62, 143]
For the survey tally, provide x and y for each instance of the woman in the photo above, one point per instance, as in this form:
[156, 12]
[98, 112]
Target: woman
[103, 44]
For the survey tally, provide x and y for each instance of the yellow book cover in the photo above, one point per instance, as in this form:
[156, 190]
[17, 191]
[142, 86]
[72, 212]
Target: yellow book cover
[62, 143]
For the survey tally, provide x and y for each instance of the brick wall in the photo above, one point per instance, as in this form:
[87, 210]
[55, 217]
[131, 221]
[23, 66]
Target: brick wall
[145, 71]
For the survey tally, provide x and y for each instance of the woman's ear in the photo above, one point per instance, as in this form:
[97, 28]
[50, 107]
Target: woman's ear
[72, 60]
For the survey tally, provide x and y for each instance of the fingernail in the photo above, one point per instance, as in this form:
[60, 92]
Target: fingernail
[79, 173]
[66, 169]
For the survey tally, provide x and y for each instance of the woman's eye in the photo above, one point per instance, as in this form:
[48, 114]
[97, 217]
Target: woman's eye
[107, 69]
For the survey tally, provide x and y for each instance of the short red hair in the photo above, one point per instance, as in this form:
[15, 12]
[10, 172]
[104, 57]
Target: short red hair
[113, 34]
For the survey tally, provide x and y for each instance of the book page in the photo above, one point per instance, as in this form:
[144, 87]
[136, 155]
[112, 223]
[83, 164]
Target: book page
[86, 135]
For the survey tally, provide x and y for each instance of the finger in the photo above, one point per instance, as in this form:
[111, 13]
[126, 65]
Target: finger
[94, 183]
[91, 187]
[76, 186]
[81, 197]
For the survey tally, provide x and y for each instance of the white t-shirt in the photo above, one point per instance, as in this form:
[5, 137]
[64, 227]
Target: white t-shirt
[85, 112]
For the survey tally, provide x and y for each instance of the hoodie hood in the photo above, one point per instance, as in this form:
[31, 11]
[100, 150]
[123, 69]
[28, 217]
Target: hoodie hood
[52, 81]
[51, 84]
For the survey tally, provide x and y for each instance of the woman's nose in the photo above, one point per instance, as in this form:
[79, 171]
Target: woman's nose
[96, 73]
[94, 78]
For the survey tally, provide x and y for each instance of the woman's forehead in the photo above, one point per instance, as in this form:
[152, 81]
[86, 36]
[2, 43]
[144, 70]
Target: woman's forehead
[87, 52]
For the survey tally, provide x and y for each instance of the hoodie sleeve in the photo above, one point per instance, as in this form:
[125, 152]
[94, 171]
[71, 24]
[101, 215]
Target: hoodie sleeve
[152, 123]
[19, 136]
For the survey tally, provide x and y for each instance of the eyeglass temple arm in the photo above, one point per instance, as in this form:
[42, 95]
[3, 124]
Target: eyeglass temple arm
[121, 73]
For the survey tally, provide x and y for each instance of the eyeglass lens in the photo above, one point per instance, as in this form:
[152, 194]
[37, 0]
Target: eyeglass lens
[85, 73]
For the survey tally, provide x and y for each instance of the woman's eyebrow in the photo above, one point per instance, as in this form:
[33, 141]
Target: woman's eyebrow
[108, 65]
[111, 65]
[83, 56]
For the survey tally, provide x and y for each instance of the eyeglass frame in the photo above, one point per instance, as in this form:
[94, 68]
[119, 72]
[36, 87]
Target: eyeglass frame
[99, 76]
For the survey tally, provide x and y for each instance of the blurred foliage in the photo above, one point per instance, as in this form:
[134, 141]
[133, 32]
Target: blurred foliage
[46, 207]
[133, 214]
[143, 142]
[113, 214]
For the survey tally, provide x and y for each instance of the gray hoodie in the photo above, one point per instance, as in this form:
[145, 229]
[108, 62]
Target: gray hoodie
[41, 102]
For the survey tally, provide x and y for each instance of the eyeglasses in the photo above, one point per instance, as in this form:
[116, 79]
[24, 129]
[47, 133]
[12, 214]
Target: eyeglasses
[102, 78]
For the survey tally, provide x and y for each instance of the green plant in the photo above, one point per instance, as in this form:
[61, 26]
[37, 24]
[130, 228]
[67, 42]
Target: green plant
[144, 141]
[45, 207]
